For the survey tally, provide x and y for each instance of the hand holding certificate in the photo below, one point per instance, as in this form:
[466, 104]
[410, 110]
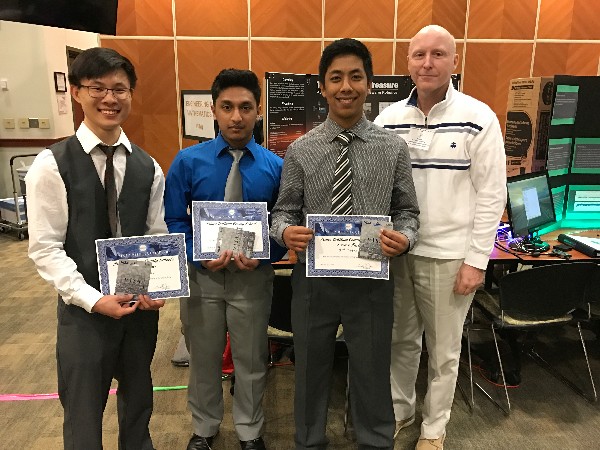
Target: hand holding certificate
[236, 240]
[153, 266]
[296, 238]
[241, 228]
[346, 246]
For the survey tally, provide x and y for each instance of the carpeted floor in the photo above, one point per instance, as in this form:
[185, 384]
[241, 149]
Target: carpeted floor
[546, 414]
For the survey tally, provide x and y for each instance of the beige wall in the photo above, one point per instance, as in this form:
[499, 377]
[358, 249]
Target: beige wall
[29, 56]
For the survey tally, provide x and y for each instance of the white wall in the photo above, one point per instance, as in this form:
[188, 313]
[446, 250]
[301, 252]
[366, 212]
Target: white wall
[29, 56]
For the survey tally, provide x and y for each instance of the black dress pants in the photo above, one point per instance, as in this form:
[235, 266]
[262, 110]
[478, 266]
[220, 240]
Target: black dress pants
[365, 309]
[91, 350]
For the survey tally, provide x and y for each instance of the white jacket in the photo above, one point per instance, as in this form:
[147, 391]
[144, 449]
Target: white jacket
[460, 179]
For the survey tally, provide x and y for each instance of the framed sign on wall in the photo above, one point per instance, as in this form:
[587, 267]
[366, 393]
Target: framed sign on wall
[60, 82]
[196, 115]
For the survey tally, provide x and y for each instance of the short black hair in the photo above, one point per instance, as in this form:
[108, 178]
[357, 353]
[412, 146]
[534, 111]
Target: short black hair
[343, 47]
[97, 62]
[236, 78]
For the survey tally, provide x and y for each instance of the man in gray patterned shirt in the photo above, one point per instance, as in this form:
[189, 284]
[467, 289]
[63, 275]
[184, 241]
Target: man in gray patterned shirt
[381, 185]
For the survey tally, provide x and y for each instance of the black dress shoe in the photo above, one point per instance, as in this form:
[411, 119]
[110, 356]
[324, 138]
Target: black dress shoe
[200, 443]
[180, 363]
[254, 444]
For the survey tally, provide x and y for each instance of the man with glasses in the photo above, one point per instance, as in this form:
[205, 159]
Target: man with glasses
[101, 92]
[93, 185]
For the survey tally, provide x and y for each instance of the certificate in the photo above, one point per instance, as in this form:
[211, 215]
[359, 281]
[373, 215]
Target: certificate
[210, 217]
[333, 251]
[155, 265]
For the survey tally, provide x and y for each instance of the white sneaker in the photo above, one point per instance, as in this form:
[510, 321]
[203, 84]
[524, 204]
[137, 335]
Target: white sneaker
[403, 424]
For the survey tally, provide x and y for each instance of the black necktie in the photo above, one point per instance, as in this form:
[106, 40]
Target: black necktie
[110, 187]
[233, 185]
[341, 197]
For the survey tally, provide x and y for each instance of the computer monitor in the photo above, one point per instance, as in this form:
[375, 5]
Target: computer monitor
[530, 208]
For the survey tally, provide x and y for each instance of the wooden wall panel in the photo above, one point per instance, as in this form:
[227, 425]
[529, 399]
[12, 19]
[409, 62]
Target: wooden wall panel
[412, 16]
[300, 19]
[554, 25]
[159, 106]
[162, 137]
[451, 14]
[201, 61]
[188, 142]
[401, 61]
[586, 20]
[285, 56]
[459, 51]
[569, 19]
[286, 36]
[382, 53]
[153, 121]
[144, 18]
[210, 18]
[569, 59]
[502, 19]
[358, 18]
[490, 67]
[126, 18]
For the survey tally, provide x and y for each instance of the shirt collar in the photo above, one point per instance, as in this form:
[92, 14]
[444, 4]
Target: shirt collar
[360, 129]
[89, 140]
[221, 146]
[413, 97]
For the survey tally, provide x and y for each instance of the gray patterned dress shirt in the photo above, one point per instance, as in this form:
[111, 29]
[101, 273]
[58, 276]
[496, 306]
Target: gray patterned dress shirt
[382, 181]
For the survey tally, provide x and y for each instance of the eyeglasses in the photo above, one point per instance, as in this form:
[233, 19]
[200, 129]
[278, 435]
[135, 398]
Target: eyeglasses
[101, 92]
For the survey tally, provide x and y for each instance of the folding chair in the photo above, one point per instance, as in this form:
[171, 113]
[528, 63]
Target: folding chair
[535, 298]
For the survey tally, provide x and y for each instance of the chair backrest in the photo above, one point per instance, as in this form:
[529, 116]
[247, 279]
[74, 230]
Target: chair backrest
[547, 291]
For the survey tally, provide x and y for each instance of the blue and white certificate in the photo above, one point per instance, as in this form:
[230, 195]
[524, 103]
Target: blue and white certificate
[209, 217]
[333, 251]
[166, 253]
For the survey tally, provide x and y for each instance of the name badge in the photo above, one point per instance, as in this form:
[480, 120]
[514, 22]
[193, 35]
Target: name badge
[420, 138]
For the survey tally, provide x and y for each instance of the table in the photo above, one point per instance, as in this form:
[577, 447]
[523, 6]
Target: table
[504, 258]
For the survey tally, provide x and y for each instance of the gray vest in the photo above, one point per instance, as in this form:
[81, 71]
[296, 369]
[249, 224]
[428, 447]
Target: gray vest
[88, 216]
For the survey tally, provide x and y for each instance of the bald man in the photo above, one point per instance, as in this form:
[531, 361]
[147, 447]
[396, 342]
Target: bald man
[458, 166]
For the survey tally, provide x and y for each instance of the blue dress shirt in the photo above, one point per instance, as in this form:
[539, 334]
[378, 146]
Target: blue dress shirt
[199, 173]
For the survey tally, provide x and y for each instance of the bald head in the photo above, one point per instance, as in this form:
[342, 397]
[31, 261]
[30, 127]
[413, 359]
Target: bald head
[431, 60]
[435, 30]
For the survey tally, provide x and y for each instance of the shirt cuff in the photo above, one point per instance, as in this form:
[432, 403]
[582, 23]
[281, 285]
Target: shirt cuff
[412, 239]
[477, 260]
[86, 297]
[277, 233]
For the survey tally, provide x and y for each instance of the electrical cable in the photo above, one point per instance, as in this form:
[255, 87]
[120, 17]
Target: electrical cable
[481, 371]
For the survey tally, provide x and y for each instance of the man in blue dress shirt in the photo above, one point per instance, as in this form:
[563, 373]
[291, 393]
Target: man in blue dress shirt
[232, 293]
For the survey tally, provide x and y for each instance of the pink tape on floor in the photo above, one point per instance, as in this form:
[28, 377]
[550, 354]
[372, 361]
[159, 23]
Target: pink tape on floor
[23, 397]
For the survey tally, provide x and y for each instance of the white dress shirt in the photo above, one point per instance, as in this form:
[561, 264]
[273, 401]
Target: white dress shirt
[48, 216]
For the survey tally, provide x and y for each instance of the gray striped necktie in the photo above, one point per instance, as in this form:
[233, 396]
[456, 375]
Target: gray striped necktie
[341, 198]
[233, 185]
[110, 187]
